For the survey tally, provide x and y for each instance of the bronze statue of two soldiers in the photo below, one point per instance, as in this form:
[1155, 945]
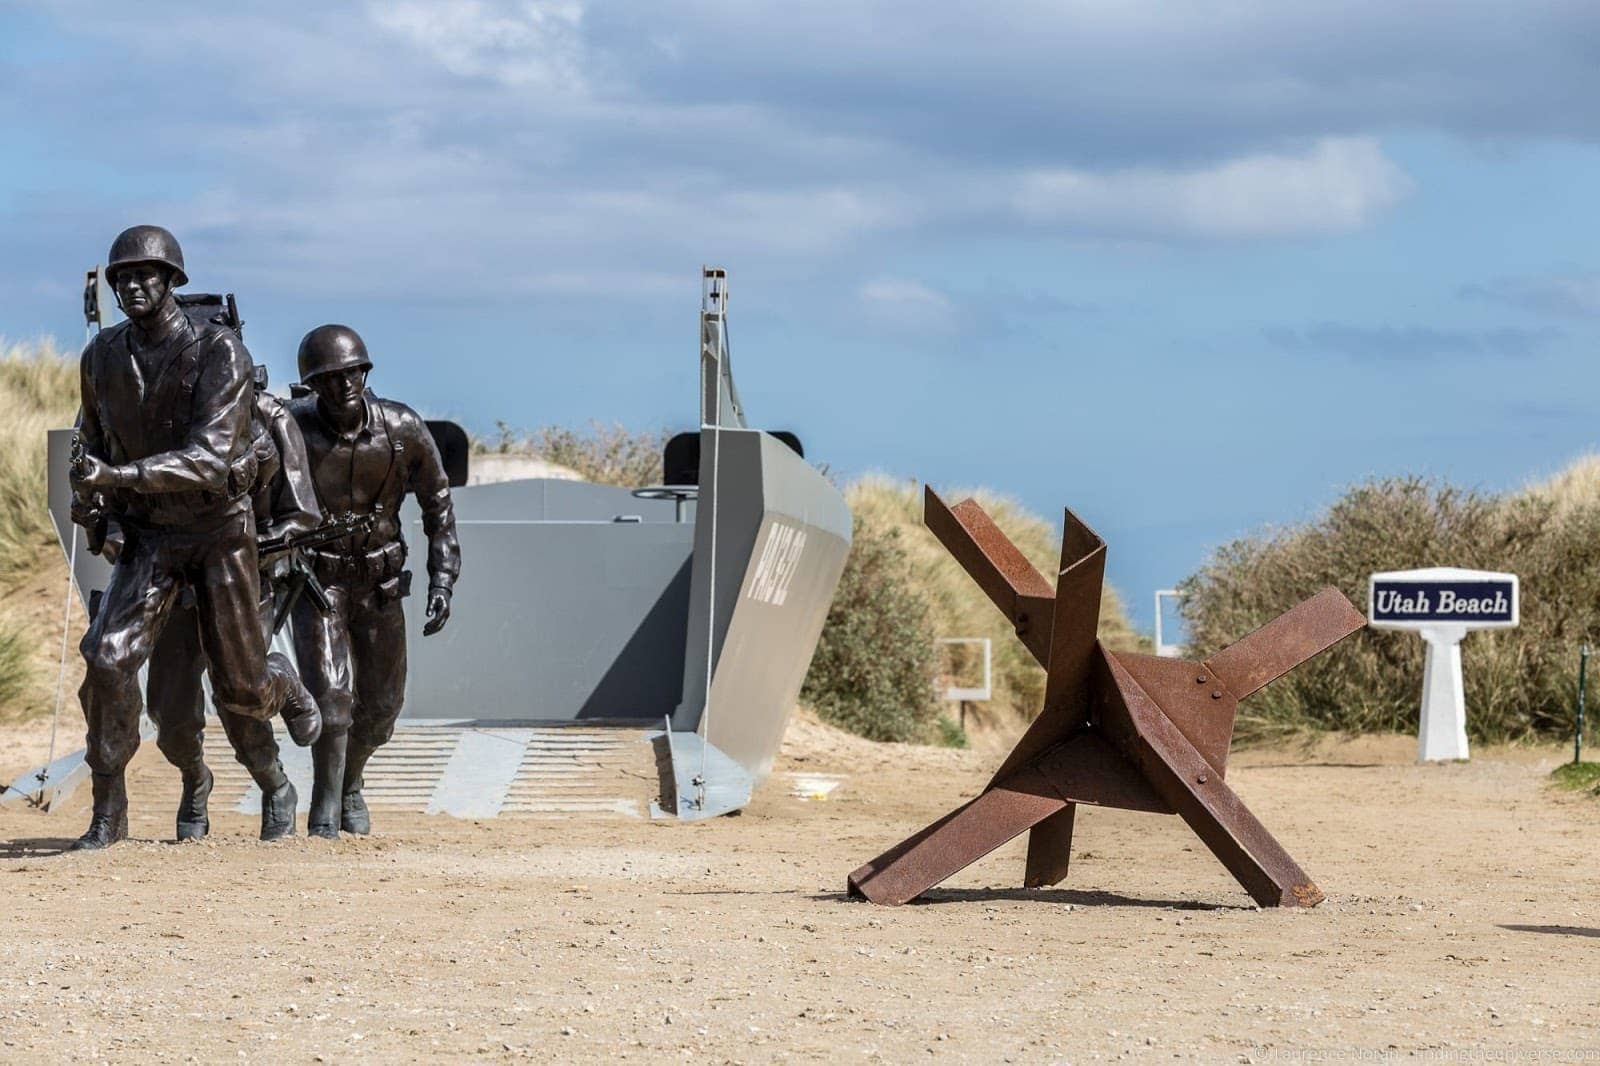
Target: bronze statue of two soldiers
[184, 463]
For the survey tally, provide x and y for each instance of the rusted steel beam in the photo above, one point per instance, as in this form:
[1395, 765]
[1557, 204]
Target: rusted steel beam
[1116, 730]
[1196, 700]
[1001, 570]
[1077, 614]
[1049, 849]
[1034, 619]
[1088, 770]
[1075, 619]
[968, 833]
[983, 549]
[1195, 789]
[1301, 633]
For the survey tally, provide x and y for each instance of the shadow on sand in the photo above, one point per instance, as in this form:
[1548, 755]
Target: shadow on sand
[34, 847]
[1077, 897]
[1560, 930]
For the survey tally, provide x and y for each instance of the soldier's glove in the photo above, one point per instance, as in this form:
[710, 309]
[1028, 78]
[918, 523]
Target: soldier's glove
[277, 571]
[93, 473]
[86, 509]
[438, 610]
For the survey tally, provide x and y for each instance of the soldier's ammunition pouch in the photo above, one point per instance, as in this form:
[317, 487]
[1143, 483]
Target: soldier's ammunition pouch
[382, 568]
[395, 588]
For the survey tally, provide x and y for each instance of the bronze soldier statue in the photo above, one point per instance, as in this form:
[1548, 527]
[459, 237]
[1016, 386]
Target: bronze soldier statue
[284, 504]
[366, 455]
[164, 429]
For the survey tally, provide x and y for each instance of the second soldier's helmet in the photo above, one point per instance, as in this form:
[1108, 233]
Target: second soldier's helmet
[330, 348]
[146, 244]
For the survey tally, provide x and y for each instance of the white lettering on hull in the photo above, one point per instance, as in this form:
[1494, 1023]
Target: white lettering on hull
[780, 559]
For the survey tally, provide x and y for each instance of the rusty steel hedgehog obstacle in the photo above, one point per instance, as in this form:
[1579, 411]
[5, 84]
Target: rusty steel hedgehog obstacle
[1117, 730]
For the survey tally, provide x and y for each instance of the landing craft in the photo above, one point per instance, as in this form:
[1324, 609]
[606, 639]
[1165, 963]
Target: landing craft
[666, 628]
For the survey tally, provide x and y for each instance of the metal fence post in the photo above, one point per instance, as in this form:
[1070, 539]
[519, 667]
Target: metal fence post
[1577, 732]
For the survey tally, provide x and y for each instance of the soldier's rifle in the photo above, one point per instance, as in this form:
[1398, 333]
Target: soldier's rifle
[303, 579]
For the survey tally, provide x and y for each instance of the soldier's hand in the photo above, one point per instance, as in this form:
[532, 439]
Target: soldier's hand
[277, 571]
[93, 473]
[85, 508]
[438, 611]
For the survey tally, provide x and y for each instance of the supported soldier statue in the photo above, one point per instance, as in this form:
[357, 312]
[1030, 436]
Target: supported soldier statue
[284, 504]
[366, 454]
[166, 459]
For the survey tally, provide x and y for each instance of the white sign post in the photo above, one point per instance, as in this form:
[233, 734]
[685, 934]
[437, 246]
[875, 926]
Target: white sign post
[968, 694]
[1163, 649]
[1442, 605]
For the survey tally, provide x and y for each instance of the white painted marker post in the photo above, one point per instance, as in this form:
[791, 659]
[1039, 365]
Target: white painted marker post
[1443, 604]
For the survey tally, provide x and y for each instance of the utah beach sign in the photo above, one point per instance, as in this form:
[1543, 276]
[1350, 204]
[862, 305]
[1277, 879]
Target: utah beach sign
[1415, 599]
[1443, 604]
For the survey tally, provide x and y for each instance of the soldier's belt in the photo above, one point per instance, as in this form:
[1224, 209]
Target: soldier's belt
[195, 514]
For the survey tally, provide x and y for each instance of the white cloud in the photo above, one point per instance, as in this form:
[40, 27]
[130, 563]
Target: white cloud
[532, 43]
[904, 306]
[1337, 184]
[900, 293]
[500, 135]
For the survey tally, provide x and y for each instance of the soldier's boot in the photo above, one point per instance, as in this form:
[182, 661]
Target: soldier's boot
[110, 821]
[278, 803]
[354, 817]
[301, 715]
[327, 791]
[193, 820]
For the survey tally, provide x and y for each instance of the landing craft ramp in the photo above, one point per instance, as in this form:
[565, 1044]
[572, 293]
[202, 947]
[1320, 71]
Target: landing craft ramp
[611, 650]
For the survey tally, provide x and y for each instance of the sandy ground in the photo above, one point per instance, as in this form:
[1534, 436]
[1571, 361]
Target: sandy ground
[1461, 914]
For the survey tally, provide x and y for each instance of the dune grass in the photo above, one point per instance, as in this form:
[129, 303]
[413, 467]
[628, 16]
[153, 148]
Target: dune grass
[16, 669]
[1572, 488]
[38, 392]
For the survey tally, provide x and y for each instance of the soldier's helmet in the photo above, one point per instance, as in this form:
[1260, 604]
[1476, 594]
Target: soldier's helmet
[331, 348]
[146, 244]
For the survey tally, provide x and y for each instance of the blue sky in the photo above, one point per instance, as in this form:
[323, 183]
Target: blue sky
[1187, 268]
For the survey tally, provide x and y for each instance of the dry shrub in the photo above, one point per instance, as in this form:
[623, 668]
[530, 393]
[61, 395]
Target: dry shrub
[1519, 683]
[873, 670]
[605, 454]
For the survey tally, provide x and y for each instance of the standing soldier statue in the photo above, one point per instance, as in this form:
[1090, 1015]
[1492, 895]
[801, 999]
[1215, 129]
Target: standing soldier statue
[284, 504]
[167, 458]
[366, 455]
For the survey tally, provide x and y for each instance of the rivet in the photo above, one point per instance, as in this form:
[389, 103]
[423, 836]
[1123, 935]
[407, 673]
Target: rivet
[1216, 693]
[1201, 779]
[1200, 680]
